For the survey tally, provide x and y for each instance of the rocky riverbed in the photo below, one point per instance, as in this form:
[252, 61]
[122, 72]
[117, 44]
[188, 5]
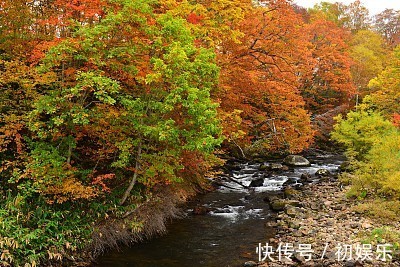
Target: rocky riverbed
[296, 206]
[321, 218]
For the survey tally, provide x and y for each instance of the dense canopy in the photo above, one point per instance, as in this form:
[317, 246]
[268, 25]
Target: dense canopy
[106, 103]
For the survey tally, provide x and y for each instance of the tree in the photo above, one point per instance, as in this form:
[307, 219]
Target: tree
[368, 51]
[328, 82]
[132, 92]
[386, 88]
[259, 77]
[355, 16]
[15, 34]
[372, 144]
[387, 23]
[333, 12]
[212, 22]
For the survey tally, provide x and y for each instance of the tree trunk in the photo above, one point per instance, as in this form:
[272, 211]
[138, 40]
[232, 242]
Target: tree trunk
[69, 154]
[134, 178]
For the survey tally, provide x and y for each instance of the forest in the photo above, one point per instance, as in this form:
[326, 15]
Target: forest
[116, 110]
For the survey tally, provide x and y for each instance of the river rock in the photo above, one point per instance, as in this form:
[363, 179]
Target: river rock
[248, 171]
[263, 167]
[296, 161]
[323, 173]
[290, 181]
[350, 263]
[292, 212]
[305, 177]
[250, 264]
[233, 166]
[290, 192]
[294, 203]
[271, 198]
[256, 158]
[200, 210]
[366, 225]
[299, 258]
[278, 205]
[257, 182]
[277, 167]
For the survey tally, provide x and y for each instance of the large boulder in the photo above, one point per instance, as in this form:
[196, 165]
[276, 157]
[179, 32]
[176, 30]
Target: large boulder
[296, 161]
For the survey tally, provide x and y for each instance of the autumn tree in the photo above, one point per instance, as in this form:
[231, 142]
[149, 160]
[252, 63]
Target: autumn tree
[387, 23]
[355, 16]
[15, 34]
[333, 12]
[259, 77]
[328, 83]
[132, 103]
[386, 88]
[211, 22]
[369, 53]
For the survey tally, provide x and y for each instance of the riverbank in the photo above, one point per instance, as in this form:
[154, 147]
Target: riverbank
[145, 222]
[224, 227]
[321, 216]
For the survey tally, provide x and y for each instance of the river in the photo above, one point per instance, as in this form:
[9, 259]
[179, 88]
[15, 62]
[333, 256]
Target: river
[229, 233]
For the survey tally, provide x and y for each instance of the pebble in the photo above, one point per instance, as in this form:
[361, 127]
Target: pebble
[322, 216]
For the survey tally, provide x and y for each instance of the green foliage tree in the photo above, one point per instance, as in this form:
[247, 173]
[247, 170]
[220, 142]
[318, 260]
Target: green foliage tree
[125, 100]
[330, 11]
[360, 131]
[372, 144]
[161, 97]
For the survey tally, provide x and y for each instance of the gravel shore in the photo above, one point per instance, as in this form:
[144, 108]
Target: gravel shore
[321, 218]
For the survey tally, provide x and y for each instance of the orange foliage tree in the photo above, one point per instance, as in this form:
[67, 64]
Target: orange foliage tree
[328, 83]
[260, 77]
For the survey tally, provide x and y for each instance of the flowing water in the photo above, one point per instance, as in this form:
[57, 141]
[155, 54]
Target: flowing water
[227, 235]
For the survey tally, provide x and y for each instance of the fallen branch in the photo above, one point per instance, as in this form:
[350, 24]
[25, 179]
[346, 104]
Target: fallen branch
[239, 183]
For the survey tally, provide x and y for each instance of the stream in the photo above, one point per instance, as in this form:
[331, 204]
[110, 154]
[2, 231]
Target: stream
[228, 234]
